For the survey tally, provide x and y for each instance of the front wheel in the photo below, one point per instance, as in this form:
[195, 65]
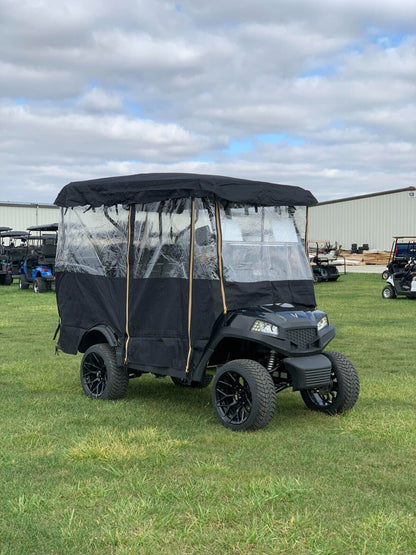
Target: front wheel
[388, 292]
[342, 392]
[101, 378]
[40, 285]
[243, 395]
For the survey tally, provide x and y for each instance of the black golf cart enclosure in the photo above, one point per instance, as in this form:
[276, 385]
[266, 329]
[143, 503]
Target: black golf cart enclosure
[187, 276]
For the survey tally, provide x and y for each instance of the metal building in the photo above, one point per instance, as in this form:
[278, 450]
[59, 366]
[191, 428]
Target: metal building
[368, 219]
[20, 216]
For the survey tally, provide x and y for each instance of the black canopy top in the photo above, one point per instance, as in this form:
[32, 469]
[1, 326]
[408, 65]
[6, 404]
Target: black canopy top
[154, 187]
[5, 229]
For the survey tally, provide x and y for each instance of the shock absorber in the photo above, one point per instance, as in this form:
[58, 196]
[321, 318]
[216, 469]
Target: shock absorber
[271, 362]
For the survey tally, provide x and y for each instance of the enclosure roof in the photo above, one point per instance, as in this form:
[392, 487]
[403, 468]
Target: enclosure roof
[44, 227]
[154, 187]
[5, 229]
[13, 233]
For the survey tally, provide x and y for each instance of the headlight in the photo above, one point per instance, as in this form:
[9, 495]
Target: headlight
[323, 322]
[264, 327]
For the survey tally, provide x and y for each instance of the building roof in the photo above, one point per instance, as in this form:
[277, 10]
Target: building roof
[26, 205]
[381, 193]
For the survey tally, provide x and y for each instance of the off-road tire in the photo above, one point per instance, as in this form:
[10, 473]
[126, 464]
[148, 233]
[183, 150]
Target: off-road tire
[23, 284]
[182, 382]
[101, 378]
[8, 280]
[342, 394]
[388, 292]
[243, 395]
[40, 285]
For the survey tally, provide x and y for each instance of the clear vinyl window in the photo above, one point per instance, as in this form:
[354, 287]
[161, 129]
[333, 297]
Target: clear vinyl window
[93, 241]
[263, 244]
[162, 237]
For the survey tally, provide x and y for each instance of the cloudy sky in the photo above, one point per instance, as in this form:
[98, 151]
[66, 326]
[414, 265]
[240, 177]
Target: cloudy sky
[316, 93]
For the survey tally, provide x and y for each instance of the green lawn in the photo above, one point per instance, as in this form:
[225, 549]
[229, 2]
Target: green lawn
[157, 473]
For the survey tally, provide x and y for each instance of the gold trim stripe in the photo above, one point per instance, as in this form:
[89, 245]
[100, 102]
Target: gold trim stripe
[191, 275]
[128, 286]
[219, 255]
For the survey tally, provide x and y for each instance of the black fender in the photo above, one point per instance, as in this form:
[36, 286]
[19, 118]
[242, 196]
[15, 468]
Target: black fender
[102, 334]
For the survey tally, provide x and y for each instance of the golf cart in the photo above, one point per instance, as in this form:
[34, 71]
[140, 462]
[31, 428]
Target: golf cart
[402, 282]
[39, 263]
[323, 266]
[402, 250]
[14, 247]
[188, 276]
[5, 266]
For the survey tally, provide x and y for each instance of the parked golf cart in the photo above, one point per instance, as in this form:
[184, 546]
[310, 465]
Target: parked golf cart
[323, 261]
[402, 282]
[14, 247]
[402, 250]
[191, 276]
[38, 266]
[5, 266]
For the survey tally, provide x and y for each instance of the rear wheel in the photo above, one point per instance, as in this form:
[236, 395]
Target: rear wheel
[40, 285]
[341, 394]
[101, 378]
[388, 292]
[23, 284]
[243, 395]
[8, 280]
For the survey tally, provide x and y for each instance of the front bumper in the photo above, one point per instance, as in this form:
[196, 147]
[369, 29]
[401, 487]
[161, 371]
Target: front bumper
[308, 372]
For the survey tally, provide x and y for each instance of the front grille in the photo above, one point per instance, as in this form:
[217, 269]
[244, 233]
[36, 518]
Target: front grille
[302, 338]
[316, 378]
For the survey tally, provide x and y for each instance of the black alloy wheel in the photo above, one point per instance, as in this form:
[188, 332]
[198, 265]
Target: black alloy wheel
[243, 395]
[101, 378]
[343, 391]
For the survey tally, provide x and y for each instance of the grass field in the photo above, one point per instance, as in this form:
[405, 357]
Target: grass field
[157, 473]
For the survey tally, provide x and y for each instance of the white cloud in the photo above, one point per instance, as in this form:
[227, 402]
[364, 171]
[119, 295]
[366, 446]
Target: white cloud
[94, 89]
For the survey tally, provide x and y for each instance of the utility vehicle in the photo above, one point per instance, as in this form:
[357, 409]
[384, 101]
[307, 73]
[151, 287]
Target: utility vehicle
[323, 262]
[14, 248]
[402, 250]
[402, 282]
[6, 277]
[39, 263]
[194, 276]
[5, 267]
